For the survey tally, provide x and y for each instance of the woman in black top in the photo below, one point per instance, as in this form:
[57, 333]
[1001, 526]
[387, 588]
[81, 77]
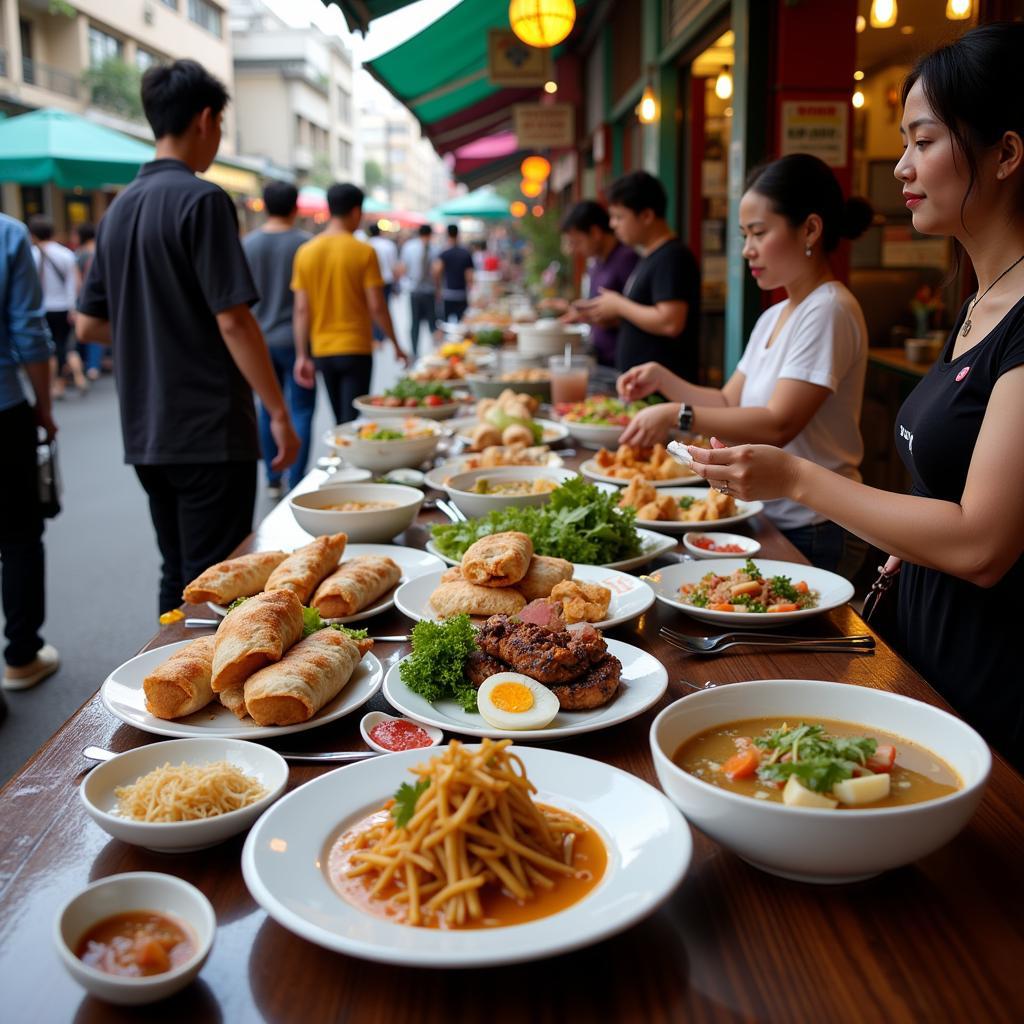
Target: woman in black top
[960, 532]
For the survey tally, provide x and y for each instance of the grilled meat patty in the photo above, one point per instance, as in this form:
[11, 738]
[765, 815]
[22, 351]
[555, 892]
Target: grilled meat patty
[549, 656]
[593, 689]
[479, 667]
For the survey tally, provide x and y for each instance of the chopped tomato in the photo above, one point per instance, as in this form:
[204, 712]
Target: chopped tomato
[743, 763]
[434, 400]
[411, 403]
[883, 758]
[784, 608]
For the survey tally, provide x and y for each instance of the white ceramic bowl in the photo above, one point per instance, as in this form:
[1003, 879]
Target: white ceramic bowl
[119, 894]
[594, 435]
[374, 718]
[808, 844]
[363, 405]
[373, 526]
[380, 456]
[97, 792]
[459, 488]
[749, 545]
[544, 337]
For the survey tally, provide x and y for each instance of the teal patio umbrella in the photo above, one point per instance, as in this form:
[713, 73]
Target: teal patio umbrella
[484, 204]
[52, 145]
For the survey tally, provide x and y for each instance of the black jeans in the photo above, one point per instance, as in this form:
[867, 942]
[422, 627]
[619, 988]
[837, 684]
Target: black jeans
[423, 307]
[201, 512]
[21, 536]
[346, 378]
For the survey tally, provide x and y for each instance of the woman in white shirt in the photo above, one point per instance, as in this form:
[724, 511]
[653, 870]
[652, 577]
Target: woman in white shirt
[800, 382]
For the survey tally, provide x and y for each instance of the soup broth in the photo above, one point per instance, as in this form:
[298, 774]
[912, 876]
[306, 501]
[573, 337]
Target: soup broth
[916, 776]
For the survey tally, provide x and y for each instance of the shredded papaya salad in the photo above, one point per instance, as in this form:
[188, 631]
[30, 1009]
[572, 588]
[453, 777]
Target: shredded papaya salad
[747, 590]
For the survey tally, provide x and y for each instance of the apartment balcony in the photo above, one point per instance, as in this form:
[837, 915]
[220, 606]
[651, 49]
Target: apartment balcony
[52, 79]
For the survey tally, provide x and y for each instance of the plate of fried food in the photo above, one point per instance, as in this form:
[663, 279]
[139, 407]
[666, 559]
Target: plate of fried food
[655, 465]
[271, 668]
[563, 853]
[495, 457]
[346, 591]
[500, 574]
[678, 509]
[506, 420]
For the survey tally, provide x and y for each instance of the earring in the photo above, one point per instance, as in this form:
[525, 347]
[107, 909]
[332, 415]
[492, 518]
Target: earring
[808, 252]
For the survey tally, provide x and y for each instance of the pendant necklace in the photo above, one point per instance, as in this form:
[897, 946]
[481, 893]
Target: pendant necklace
[970, 309]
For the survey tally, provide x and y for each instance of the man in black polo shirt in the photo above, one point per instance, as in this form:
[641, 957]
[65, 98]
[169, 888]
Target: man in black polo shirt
[170, 288]
[658, 311]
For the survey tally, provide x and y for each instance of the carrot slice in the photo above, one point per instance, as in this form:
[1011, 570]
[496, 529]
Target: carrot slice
[722, 607]
[784, 608]
[743, 764]
[801, 587]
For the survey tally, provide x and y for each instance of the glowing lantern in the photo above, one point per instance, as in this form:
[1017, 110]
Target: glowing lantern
[538, 211]
[647, 108]
[883, 13]
[542, 23]
[517, 208]
[531, 189]
[958, 10]
[535, 168]
[723, 83]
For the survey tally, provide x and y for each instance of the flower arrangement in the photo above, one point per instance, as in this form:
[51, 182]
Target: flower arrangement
[925, 306]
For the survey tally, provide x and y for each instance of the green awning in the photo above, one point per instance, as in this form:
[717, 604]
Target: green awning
[359, 13]
[484, 204]
[52, 145]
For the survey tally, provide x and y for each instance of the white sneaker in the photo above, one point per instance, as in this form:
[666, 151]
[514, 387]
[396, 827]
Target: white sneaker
[274, 491]
[26, 676]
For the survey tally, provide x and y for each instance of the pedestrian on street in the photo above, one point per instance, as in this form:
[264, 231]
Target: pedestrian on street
[84, 239]
[25, 343]
[658, 311]
[453, 271]
[339, 295]
[387, 259]
[270, 252]
[417, 260]
[171, 289]
[58, 276]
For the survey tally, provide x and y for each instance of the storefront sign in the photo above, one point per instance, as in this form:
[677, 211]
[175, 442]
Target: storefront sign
[537, 127]
[818, 127]
[512, 63]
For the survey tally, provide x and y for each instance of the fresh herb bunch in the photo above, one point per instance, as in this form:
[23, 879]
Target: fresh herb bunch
[580, 523]
[420, 389]
[434, 669]
[818, 760]
[406, 798]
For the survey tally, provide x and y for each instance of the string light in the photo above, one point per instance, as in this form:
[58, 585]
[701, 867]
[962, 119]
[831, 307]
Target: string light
[517, 208]
[542, 23]
[551, 88]
[723, 83]
[858, 99]
[883, 13]
[538, 211]
[531, 189]
[535, 168]
[958, 10]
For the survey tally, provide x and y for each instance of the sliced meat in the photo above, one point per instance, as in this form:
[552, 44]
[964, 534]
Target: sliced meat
[480, 667]
[592, 690]
[544, 613]
[544, 655]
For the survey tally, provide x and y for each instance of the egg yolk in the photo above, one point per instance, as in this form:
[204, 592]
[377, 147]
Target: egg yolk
[512, 697]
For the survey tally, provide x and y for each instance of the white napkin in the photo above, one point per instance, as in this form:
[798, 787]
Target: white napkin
[678, 450]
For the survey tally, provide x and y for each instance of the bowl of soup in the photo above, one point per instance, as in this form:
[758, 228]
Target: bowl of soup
[384, 444]
[726, 756]
[477, 491]
[368, 513]
[135, 938]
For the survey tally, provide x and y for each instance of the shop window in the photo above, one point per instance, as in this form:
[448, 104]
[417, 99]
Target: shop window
[144, 59]
[103, 47]
[205, 15]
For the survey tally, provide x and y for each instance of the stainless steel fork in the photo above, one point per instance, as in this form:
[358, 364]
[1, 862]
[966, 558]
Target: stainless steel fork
[717, 644]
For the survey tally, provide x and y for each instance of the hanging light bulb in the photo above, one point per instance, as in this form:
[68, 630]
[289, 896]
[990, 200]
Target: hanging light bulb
[535, 168]
[542, 23]
[517, 208]
[531, 189]
[883, 13]
[647, 109]
[538, 211]
[723, 83]
[858, 99]
[958, 10]
[861, 23]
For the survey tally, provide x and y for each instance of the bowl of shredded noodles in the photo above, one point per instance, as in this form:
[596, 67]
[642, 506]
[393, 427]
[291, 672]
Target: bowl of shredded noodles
[184, 795]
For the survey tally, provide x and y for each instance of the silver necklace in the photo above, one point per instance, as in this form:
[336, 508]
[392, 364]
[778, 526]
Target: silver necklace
[970, 309]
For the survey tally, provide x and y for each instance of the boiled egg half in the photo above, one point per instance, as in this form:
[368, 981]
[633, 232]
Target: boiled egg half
[510, 700]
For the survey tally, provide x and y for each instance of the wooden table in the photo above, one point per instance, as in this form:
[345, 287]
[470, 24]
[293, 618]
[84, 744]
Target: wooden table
[939, 940]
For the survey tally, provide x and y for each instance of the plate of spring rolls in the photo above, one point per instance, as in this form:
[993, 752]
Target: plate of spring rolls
[500, 575]
[262, 674]
[344, 582]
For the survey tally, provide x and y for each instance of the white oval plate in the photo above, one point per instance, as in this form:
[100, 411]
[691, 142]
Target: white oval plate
[631, 597]
[394, 412]
[644, 681]
[652, 545]
[411, 561]
[437, 476]
[123, 697]
[592, 471]
[647, 840]
[553, 432]
[833, 590]
[746, 510]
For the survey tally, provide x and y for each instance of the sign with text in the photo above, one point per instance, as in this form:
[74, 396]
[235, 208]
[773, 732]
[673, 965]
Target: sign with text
[539, 127]
[512, 63]
[818, 127]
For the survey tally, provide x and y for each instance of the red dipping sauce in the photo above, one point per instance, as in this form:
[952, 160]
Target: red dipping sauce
[707, 544]
[397, 734]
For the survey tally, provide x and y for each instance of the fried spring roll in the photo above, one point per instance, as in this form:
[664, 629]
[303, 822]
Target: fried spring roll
[498, 560]
[543, 576]
[303, 569]
[355, 585]
[461, 597]
[181, 684]
[253, 635]
[236, 577]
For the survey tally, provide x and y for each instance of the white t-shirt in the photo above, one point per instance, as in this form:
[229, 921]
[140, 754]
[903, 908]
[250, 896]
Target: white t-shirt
[57, 276]
[387, 257]
[824, 342]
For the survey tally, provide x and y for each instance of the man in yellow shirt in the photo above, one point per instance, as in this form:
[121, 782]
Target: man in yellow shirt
[339, 294]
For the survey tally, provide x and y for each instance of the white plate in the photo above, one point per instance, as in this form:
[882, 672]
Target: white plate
[592, 471]
[594, 435]
[745, 510]
[647, 840]
[553, 432]
[123, 697]
[437, 476]
[411, 561]
[644, 681]
[652, 545]
[631, 597]
[748, 544]
[395, 412]
[833, 591]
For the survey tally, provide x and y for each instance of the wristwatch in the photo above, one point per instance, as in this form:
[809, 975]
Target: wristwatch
[685, 417]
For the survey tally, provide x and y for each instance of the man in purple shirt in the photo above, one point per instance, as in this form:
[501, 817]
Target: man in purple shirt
[588, 233]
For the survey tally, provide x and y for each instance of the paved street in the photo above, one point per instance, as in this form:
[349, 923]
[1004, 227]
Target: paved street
[102, 562]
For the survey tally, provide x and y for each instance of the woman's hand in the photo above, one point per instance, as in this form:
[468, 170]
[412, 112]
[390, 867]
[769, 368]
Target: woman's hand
[640, 381]
[749, 471]
[651, 426]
